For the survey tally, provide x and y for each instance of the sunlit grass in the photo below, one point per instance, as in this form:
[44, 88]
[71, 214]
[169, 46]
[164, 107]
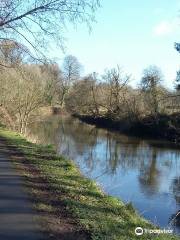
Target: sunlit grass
[104, 217]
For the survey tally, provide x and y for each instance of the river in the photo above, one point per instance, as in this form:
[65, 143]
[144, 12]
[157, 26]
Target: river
[144, 172]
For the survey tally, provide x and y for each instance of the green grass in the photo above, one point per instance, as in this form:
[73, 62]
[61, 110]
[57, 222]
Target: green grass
[104, 217]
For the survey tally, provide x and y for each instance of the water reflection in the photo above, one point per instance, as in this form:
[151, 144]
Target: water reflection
[149, 175]
[176, 189]
[144, 172]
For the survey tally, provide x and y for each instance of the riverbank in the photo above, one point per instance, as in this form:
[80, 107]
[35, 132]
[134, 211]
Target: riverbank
[165, 127]
[72, 206]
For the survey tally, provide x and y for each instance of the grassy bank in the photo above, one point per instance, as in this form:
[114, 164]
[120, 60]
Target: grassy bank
[72, 206]
[163, 127]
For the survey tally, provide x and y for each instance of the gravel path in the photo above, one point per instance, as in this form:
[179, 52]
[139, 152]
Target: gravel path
[17, 217]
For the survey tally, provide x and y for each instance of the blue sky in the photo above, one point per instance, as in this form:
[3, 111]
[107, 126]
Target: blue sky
[133, 34]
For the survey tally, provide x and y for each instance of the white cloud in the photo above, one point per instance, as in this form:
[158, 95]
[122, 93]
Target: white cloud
[165, 27]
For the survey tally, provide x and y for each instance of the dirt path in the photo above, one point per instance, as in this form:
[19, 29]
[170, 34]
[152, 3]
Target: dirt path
[17, 217]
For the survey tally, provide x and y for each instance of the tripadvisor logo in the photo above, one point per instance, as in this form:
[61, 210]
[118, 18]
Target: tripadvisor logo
[139, 231]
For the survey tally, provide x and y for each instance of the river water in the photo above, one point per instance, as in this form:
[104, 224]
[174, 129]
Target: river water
[144, 172]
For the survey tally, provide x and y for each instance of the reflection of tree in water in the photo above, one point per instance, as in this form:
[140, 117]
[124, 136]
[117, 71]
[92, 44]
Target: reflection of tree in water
[112, 157]
[120, 153]
[149, 175]
[98, 147]
[69, 134]
[44, 132]
[174, 221]
[101, 147]
[176, 189]
[81, 137]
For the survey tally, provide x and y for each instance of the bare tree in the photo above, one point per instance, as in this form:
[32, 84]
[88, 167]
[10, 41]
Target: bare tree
[35, 22]
[116, 81]
[93, 92]
[29, 96]
[98, 98]
[71, 69]
[150, 85]
[23, 92]
[12, 53]
[52, 76]
[71, 73]
[80, 99]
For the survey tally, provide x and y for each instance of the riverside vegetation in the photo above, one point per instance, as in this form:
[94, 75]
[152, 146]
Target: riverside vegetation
[106, 100]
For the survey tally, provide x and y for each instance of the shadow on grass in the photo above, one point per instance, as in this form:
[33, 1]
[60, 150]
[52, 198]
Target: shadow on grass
[71, 205]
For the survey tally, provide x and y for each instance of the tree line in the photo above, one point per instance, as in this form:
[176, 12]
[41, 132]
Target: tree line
[27, 86]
